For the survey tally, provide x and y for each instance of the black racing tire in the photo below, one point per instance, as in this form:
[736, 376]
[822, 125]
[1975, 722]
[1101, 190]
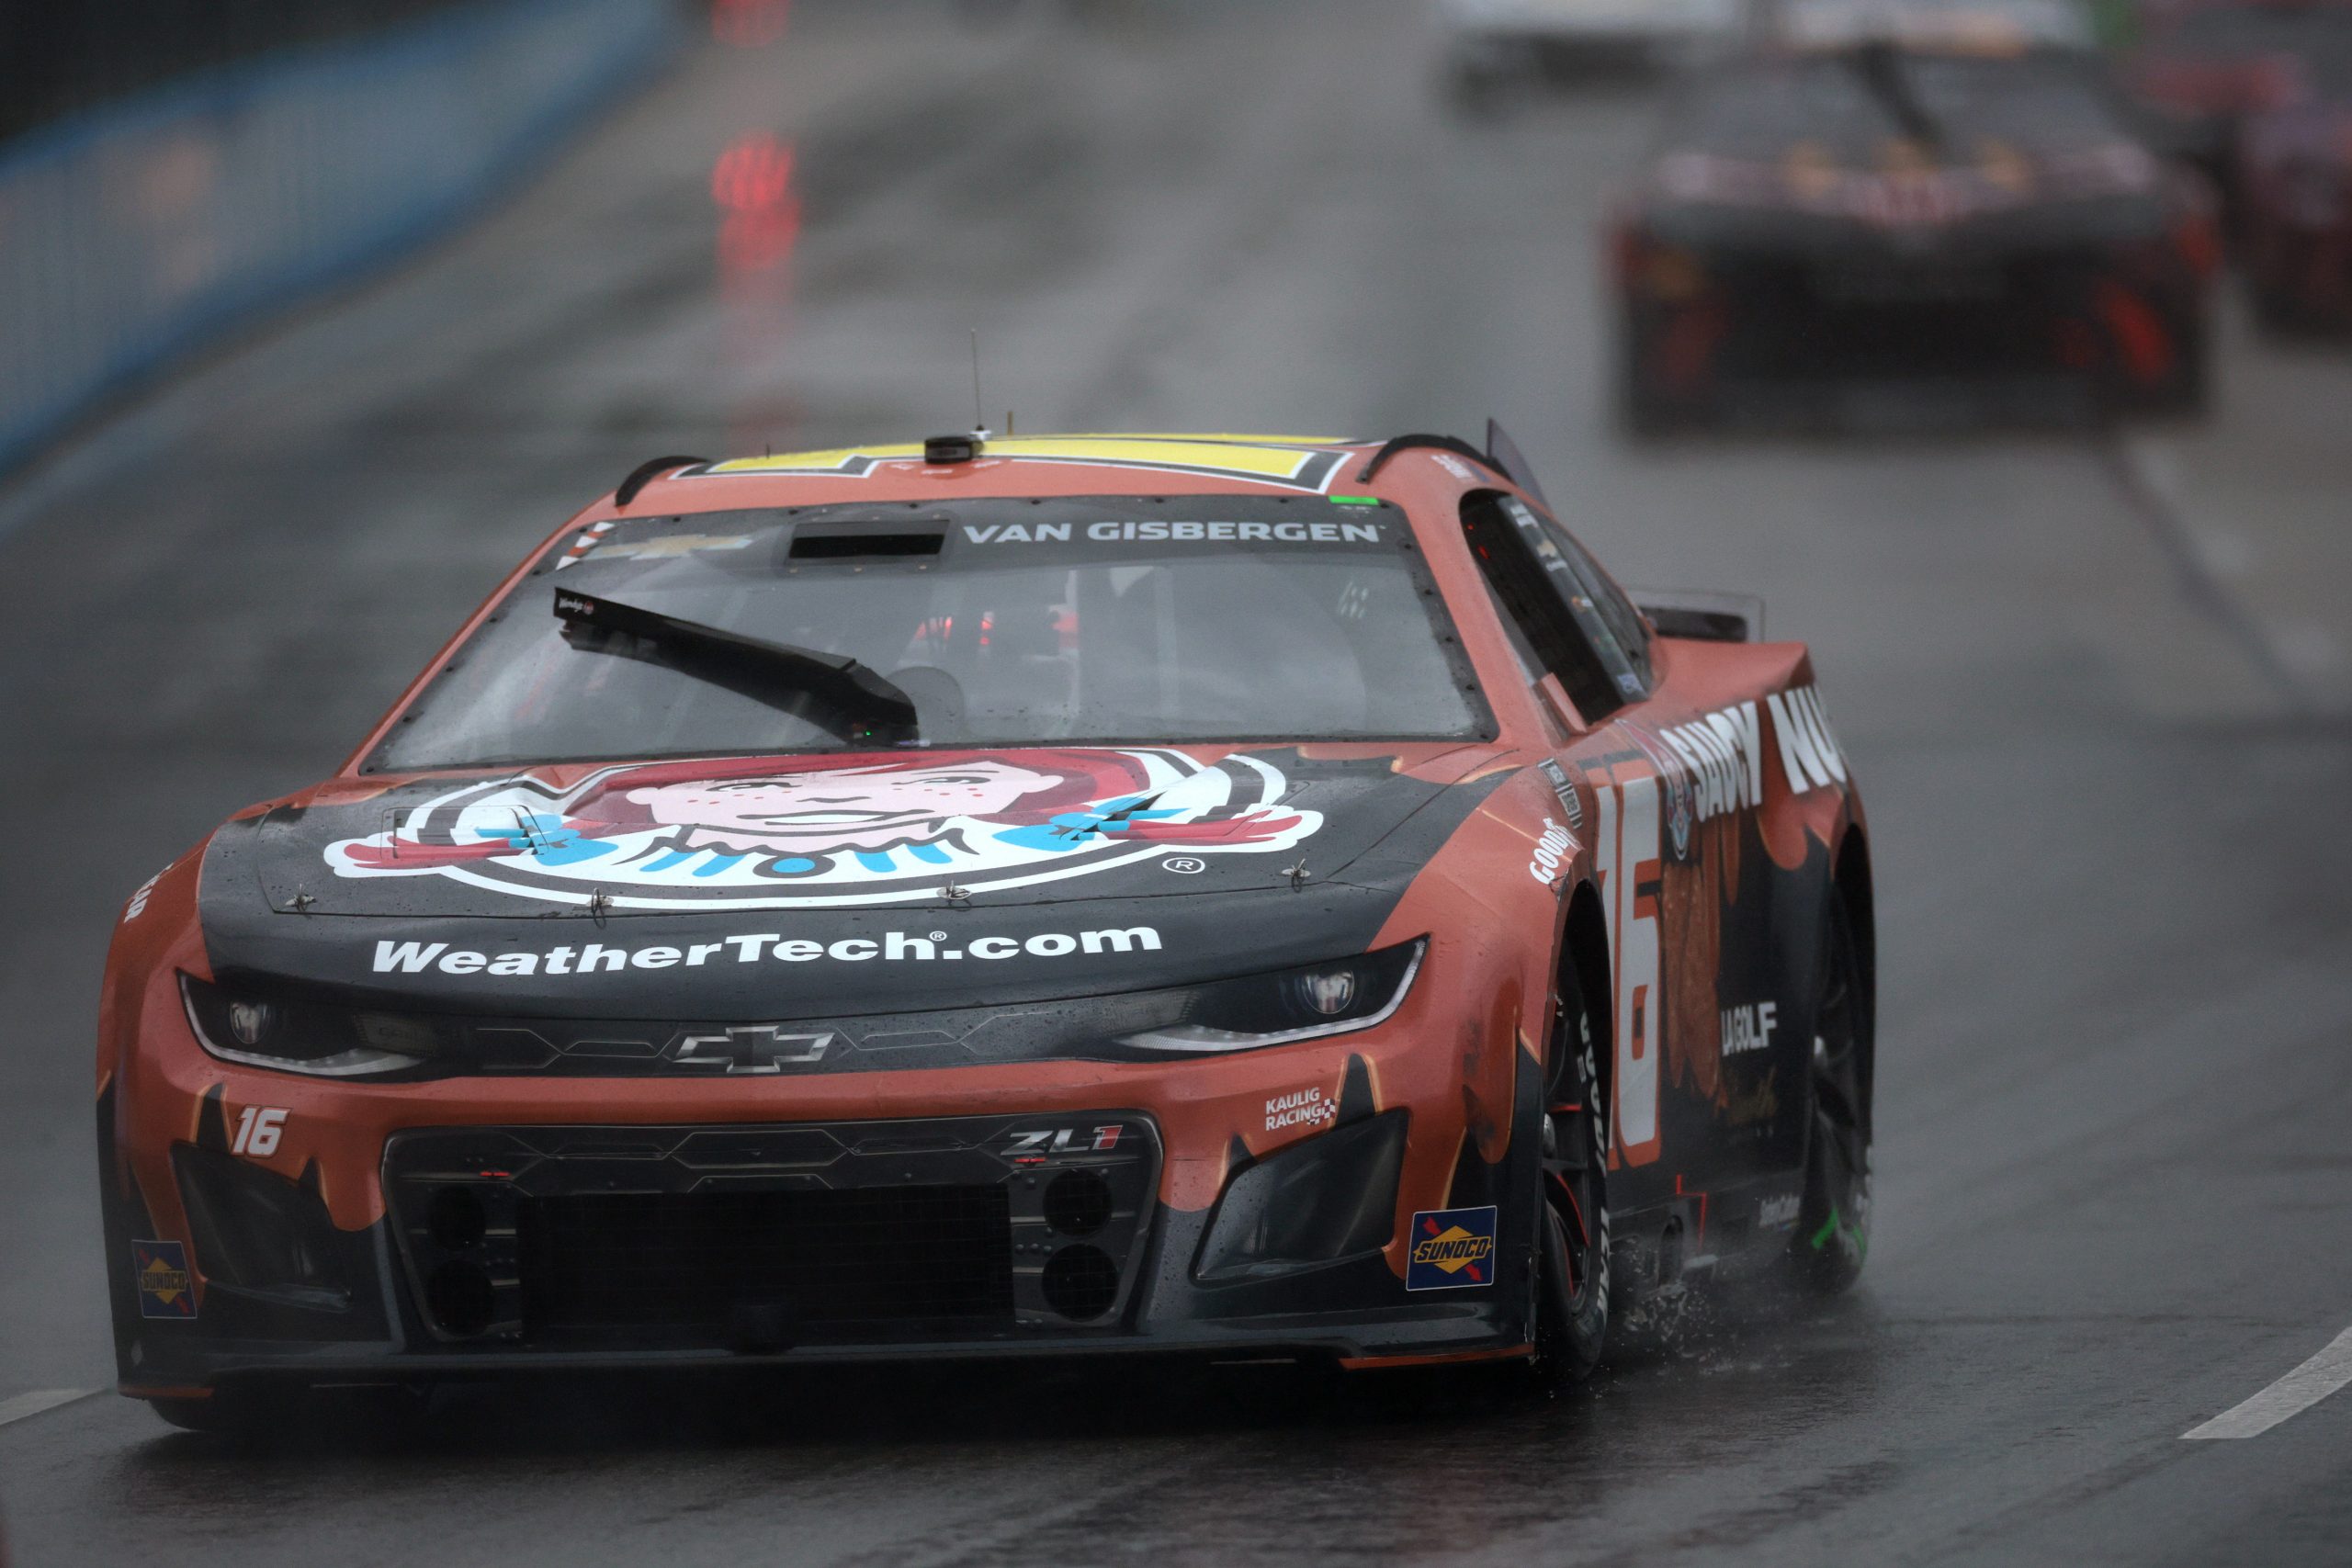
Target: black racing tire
[1833, 1222]
[1571, 1275]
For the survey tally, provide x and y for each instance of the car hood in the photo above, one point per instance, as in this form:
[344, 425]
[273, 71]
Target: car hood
[801, 886]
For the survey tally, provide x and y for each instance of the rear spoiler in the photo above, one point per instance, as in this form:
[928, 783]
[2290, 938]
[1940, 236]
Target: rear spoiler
[1702, 615]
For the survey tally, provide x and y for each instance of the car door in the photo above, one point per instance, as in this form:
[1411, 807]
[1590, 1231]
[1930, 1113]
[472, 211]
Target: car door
[1674, 796]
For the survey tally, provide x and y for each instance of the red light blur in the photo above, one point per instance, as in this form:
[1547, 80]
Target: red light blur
[752, 174]
[751, 182]
[750, 24]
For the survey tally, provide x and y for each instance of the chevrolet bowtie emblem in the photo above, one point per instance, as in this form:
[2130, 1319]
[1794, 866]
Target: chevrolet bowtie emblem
[753, 1048]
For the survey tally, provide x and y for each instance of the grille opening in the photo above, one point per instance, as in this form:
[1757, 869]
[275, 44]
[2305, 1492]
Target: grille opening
[1081, 1282]
[456, 1218]
[1077, 1202]
[460, 1297]
[694, 1261]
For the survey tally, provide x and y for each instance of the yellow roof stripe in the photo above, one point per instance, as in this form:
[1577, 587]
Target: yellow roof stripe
[1275, 459]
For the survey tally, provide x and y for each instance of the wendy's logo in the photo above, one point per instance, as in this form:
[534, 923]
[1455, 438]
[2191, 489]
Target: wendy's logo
[776, 832]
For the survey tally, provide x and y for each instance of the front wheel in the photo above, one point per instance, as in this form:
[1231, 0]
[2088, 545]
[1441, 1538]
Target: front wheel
[1572, 1224]
[1833, 1223]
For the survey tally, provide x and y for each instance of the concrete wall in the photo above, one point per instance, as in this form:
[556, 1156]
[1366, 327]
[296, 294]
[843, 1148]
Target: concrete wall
[136, 233]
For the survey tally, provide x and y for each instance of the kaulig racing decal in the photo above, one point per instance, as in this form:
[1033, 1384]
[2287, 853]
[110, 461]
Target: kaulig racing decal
[813, 831]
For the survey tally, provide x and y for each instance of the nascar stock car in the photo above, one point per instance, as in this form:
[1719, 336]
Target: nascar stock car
[1247, 898]
[2201, 67]
[1831, 225]
[2294, 189]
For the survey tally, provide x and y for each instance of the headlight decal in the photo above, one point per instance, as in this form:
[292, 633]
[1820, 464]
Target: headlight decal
[301, 1037]
[1311, 1002]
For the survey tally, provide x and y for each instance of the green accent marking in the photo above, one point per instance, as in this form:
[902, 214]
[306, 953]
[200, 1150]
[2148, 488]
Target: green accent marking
[1828, 1228]
[1357, 501]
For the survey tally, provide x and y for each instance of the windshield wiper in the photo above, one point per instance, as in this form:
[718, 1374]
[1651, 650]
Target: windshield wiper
[838, 694]
[1885, 74]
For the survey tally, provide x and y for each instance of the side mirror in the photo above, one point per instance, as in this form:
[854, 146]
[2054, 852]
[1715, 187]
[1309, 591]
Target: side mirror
[1559, 708]
[1700, 616]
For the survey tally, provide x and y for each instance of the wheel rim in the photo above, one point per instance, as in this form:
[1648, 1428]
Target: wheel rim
[1571, 1167]
[1841, 1133]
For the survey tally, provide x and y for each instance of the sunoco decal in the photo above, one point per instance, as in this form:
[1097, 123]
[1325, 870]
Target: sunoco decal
[160, 1268]
[813, 831]
[1453, 1248]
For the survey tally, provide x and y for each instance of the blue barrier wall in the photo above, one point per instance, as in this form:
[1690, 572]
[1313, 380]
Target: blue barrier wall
[136, 233]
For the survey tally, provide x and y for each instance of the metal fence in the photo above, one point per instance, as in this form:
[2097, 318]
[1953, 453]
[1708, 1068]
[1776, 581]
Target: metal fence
[132, 231]
[62, 57]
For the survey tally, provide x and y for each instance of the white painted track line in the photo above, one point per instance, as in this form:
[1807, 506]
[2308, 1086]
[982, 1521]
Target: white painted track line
[2298, 1390]
[17, 1406]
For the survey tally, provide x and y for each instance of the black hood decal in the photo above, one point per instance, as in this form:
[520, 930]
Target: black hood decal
[1223, 881]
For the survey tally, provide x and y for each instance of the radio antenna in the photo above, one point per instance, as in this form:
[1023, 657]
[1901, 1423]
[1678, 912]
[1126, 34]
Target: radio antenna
[980, 431]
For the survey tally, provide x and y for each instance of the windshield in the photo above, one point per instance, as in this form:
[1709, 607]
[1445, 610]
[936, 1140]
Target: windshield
[1850, 101]
[1003, 623]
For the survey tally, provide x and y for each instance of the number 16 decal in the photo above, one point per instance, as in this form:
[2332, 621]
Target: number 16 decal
[1627, 853]
[258, 1130]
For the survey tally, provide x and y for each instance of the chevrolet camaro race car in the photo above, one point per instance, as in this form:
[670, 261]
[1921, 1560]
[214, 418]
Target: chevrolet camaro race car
[2202, 67]
[2294, 188]
[1824, 225]
[1237, 898]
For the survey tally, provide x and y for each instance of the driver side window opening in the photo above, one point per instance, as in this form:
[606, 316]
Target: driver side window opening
[1556, 606]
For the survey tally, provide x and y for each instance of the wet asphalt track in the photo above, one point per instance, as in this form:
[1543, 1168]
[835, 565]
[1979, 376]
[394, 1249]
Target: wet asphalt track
[2098, 690]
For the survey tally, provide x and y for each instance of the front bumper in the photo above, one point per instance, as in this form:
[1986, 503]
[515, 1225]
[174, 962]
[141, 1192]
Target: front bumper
[1760, 336]
[500, 1247]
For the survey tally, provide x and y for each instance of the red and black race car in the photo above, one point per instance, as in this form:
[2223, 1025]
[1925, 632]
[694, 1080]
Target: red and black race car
[2294, 186]
[1223, 896]
[2202, 67]
[1829, 229]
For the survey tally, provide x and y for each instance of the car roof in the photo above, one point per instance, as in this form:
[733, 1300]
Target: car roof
[1045, 465]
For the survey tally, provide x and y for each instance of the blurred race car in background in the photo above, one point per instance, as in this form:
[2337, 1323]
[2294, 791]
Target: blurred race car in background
[2294, 185]
[1946, 206]
[1493, 47]
[2203, 66]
